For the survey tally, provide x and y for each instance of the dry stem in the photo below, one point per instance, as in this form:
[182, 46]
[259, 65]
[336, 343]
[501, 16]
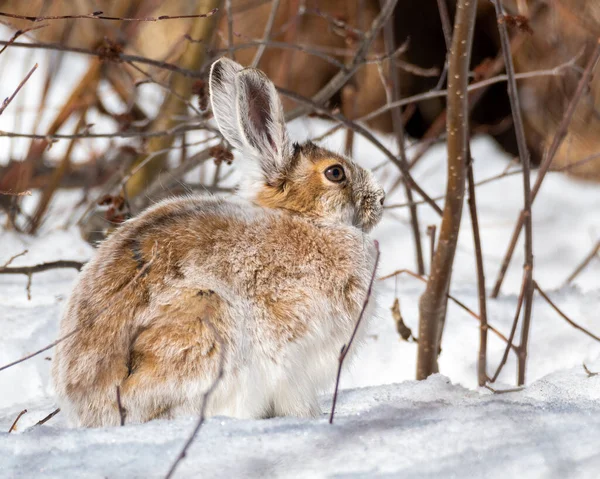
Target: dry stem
[432, 305]
[346, 347]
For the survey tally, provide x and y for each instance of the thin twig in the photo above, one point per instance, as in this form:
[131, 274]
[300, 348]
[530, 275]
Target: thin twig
[205, 400]
[472, 202]
[47, 418]
[511, 336]
[229, 29]
[12, 258]
[431, 230]
[100, 16]
[117, 134]
[556, 71]
[398, 125]
[114, 56]
[40, 351]
[14, 424]
[590, 374]
[403, 167]
[562, 314]
[502, 391]
[267, 34]
[587, 260]
[559, 136]
[38, 268]
[456, 301]
[139, 274]
[18, 33]
[515, 105]
[7, 101]
[342, 77]
[346, 347]
[20, 193]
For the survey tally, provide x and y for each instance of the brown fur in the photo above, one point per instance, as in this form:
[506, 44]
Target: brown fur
[265, 288]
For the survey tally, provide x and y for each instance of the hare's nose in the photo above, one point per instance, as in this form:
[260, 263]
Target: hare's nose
[382, 199]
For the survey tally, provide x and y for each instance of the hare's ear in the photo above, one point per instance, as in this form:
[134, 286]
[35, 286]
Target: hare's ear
[222, 97]
[262, 123]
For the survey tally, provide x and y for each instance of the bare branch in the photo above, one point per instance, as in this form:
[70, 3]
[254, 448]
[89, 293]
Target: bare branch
[472, 202]
[346, 347]
[559, 136]
[38, 268]
[398, 125]
[47, 418]
[515, 105]
[588, 372]
[14, 424]
[511, 336]
[433, 302]
[456, 301]
[12, 258]
[7, 101]
[100, 16]
[18, 33]
[205, 400]
[587, 260]
[139, 274]
[20, 193]
[266, 35]
[114, 56]
[403, 167]
[563, 315]
[556, 71]
[340, 78]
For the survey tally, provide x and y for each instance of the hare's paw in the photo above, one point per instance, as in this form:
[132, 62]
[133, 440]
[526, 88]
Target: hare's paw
[297, 405]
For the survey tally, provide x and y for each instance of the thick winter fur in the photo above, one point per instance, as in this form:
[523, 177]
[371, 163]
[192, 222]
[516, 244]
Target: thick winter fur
[270, 287]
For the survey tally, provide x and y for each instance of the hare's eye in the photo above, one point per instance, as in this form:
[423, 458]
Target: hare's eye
[335, 173]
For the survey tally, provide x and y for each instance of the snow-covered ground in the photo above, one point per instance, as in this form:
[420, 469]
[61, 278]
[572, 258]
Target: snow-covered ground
[387, 424]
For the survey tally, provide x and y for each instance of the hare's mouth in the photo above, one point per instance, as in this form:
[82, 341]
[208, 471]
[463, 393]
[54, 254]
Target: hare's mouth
[367, 215]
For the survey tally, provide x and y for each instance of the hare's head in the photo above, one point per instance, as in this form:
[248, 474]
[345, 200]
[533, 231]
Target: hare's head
[305, 179]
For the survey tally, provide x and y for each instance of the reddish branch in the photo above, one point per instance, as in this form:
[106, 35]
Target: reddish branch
[140, 273]
[456, 301]
[592, 254]
[346, 347]
[515, 105]
[433, 302]
[181, 456]
[47, 418]
[14, 424]
[101, 16]
[20, 193]
[342, 77]
[483, 329]
[403, 167]
[563, 315]
[559, 136]
[38, 268]
[7, 101]
[398, 125]
[18, 33]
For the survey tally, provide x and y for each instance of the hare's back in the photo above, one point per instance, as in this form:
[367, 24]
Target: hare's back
[253, 250]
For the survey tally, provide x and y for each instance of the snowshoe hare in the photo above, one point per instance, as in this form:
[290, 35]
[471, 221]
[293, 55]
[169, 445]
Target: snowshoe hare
[265, 289]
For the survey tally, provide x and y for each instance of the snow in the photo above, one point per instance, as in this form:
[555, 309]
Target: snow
[386, 423]
[414, 429]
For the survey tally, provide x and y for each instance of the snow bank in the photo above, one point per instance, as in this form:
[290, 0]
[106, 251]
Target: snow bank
[427, 429]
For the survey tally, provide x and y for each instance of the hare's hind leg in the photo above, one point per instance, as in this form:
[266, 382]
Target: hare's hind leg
[177, 357]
